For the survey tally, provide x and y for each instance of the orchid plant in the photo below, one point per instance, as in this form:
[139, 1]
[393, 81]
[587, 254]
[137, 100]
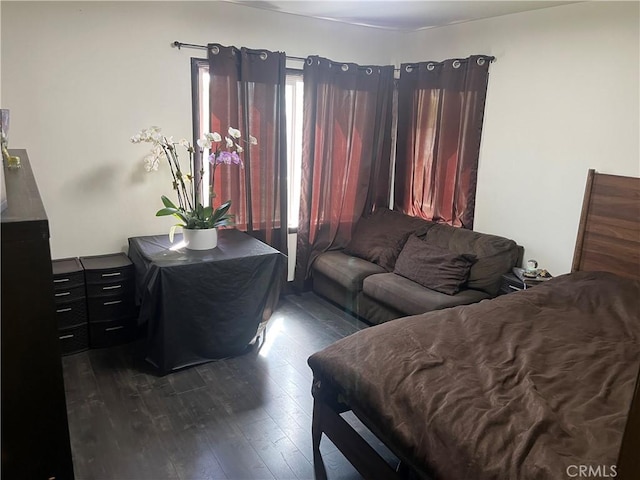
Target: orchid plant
[189, 210]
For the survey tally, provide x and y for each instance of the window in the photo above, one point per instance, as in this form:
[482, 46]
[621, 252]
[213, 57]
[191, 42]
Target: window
[294, 98]
[200, 96]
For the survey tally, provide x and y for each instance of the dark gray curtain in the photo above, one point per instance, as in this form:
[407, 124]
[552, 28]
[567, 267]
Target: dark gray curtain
[346, 153]
[247, 91]
[440, 113]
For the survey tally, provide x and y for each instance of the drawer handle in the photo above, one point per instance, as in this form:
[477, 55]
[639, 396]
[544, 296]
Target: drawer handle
[513, 287]
[113, 302]
[61, 280]
[62, 310]
[63, 294]
[111, 329]
[64, 337]
[112, 287]
[114, 274]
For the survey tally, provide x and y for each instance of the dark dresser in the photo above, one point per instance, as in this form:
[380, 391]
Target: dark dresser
[35, 434]
[71, 305]
[110, 281]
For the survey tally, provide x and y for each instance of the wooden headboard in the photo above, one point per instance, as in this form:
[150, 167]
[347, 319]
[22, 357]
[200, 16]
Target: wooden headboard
[609, 231]
[609, 240]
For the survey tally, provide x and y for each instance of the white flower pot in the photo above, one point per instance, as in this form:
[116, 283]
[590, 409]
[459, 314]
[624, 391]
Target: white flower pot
[200, 239]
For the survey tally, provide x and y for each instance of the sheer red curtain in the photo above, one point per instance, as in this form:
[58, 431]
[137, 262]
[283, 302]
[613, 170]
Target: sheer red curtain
[346, 153]
[247, 91]
[440, 112]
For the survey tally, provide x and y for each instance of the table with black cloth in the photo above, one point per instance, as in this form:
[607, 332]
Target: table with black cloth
[203, 305]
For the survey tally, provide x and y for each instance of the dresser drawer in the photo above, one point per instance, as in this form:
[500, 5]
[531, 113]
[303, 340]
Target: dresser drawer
[122, 288]
[110, 308]
[68, 294]
[109, 276]
[73, 340]
[71, 314]
[67, 273]
[110, 268]
[115, 332]
[69, 280]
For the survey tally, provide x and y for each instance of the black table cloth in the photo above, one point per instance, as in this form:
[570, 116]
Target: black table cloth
[203, 305]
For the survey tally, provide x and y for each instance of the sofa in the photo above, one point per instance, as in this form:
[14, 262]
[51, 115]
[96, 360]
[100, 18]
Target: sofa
[396, 265]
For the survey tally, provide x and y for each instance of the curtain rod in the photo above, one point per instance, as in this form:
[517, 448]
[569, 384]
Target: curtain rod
[179, 45]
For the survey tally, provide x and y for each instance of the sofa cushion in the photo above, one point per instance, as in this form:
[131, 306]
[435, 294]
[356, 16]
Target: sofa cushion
[379, 238]
[495, 255]
[433, 267]
[411, 298]
[345, 270]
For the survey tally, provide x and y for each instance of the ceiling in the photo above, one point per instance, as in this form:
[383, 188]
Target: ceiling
[399, 15]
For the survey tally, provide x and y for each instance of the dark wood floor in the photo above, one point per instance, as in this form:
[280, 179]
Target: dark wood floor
[243, 418]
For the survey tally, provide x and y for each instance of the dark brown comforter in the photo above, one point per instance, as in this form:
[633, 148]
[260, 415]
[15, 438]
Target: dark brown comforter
[519, 387]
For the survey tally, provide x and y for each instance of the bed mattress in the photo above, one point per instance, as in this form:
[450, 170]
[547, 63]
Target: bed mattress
[530, 385]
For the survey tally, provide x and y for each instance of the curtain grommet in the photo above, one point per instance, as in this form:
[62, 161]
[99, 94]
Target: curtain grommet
[369, 71]
[309, 61]
[215, 50]
[456, 64]
[408, 68]
[430, 66]
[344, 67]
[480, 61]
[263, 55]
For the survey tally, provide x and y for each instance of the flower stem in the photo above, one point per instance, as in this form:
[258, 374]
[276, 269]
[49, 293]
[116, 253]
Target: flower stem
[181, 185]
[173, 174]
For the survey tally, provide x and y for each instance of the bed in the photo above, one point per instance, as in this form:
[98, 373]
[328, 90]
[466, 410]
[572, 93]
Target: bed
[540, 384]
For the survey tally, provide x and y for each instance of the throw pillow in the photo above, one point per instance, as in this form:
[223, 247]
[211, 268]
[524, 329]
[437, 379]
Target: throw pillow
[433, 267]
[379, 238]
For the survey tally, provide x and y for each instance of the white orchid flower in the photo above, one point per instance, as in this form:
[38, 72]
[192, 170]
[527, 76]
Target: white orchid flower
[151, 163]
[239, 149]
[183, 142]
[136, 138]
[234, 132]
[216, 137]
[229, 142]
[157, 151]
[253, 140]
[203, 143]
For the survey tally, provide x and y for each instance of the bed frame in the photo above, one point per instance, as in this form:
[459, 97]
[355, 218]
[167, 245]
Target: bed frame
[609, 231]
[608, 240]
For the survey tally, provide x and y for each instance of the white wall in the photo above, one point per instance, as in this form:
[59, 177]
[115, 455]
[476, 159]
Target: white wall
[562, 98]
[82, 78]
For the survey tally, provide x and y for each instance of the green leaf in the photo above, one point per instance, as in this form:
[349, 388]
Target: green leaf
[176, 212]
[163, 212]
[172, 231]
[221, 211]
[223, 222]
[167, 203]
